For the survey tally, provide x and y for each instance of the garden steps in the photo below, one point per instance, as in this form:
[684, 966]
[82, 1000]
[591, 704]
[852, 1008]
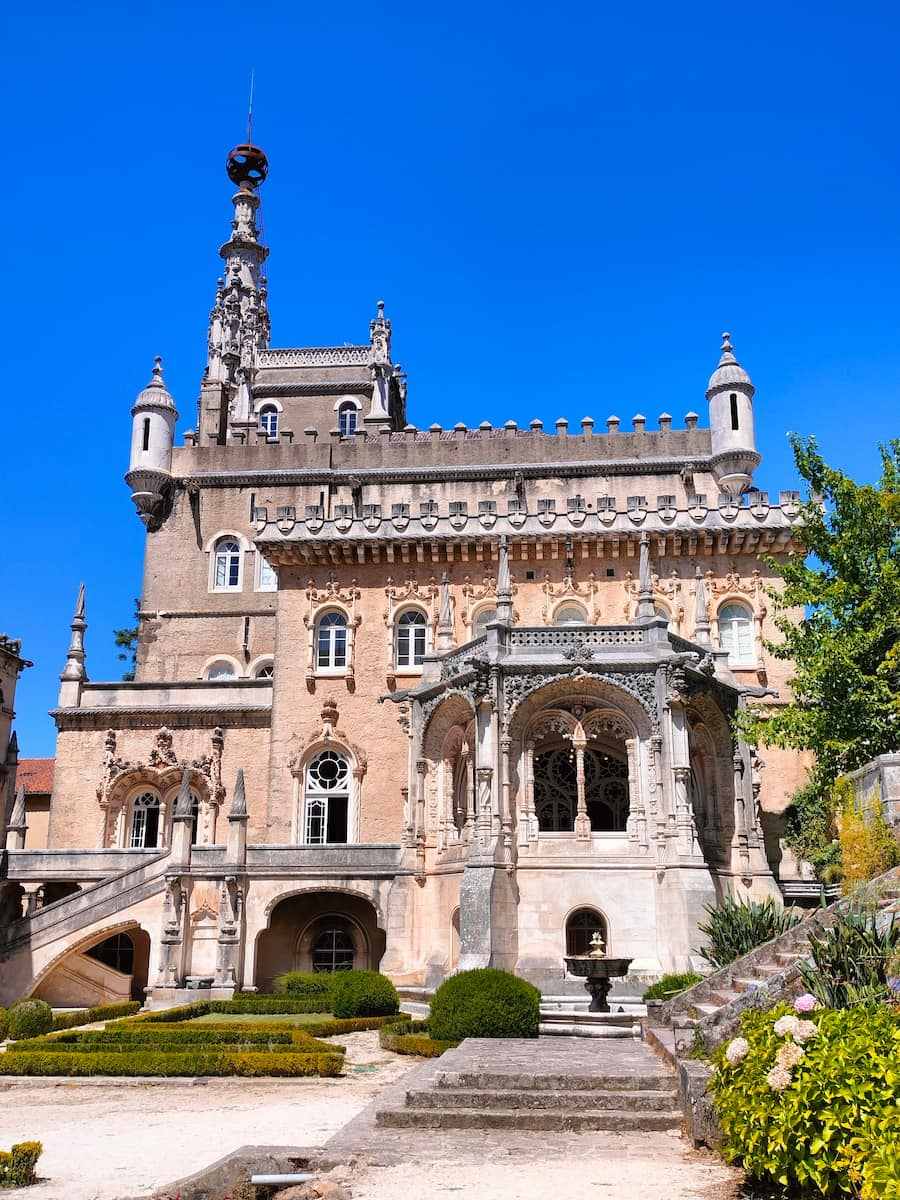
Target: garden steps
[710, 1011]
[543, 1084]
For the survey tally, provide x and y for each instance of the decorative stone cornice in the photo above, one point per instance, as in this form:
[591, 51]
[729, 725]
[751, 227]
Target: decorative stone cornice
[175, 717]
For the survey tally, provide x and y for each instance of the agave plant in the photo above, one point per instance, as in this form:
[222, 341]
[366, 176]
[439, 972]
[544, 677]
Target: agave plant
[853, 960]
[735, 928]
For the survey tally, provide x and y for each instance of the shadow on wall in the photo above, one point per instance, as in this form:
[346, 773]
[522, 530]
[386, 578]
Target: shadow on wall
[319, 931]
[111, 970]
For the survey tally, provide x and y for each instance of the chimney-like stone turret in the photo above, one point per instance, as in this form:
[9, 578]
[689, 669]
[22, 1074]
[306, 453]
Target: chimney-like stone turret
[730, 396]
[152, 438]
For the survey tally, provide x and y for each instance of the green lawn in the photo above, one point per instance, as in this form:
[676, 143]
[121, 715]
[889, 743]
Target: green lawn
[259, 1019]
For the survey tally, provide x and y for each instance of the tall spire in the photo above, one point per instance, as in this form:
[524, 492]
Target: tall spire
[74, 668]
[445, 616]
[239, 321]
[701, 611]
[645, 608]
[504, 583]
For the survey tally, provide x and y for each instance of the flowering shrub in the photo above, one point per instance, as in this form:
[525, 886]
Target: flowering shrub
[813, 1103]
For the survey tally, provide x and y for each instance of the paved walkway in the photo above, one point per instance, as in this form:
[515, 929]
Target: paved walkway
[414, 1164]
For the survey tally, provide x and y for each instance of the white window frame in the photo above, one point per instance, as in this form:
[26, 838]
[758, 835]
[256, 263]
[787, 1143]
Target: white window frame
[411, 662]
[730, 630]
[267, 420]
[316, 801]
[214, 548]
[221, 660]
[479, 620]
[266, 575]
[323, 620]
[133, 810]
[569, 606]
[350, 410]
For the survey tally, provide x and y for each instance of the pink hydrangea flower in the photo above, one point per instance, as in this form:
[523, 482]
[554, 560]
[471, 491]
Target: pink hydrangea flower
[785, 1025]
[778, 1079]
[805, 1003]
[736, 1050]
[804, 1031]
[789, 1055]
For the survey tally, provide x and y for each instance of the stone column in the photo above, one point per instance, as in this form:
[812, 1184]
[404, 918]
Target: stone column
[506, 824]
[469, 828]
[637, 811]
[421, 768]
[582, 820]
[527, 816]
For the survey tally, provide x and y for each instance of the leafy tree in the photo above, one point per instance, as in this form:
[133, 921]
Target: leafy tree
[846, 649]
[127, 641]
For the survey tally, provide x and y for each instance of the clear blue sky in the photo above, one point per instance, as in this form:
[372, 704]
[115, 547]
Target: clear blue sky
[562, 207]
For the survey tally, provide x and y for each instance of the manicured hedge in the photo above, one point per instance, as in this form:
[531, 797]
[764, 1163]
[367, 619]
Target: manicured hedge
[363, 994]
[104, 1012]
[173, 1039]
[4, 1023]
[484, 1003]
[352, 1025]
[17, 1165]
[29, 1018]
[412, 1037]
[148, 1062]
[241, 1004]
[302, 983]
[61, 1050]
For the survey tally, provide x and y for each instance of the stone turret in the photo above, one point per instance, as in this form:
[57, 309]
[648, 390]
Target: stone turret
[730, 396]
[152, 439]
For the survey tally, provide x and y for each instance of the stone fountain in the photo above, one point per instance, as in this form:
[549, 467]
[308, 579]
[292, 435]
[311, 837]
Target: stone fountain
[597, 971]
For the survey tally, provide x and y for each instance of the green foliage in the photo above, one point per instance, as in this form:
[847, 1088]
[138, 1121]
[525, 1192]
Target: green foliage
[363, 994]
[4, 1023]
[671, 985]
[296, 1002]
[127, 642]
[735, 928]
[103, 1012]
[326, 1029]
[846, 649]
[161, 1062]
[811, 829]
[868, 844]
[412, 1037]
[29, 1018]
[835, 1128]
[303, 983]
[851, 960]
[484, 1003]
[17, 1165]
[173, 1038]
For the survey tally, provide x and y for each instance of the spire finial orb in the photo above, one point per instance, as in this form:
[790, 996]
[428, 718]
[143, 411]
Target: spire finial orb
[726, 343]
[247, 166]
[157, 367]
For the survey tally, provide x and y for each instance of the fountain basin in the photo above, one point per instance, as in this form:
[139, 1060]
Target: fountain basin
[597, 974]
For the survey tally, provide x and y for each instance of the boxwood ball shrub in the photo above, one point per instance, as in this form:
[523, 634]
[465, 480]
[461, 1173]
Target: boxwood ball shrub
[363, 994]
[17, 1166]
[808, 1100]
[30, 1018]
[484, 1003]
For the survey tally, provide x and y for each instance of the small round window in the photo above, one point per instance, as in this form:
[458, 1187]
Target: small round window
[328, 772]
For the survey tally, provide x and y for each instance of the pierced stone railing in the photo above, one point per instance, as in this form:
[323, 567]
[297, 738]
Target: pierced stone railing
[316, 356]
[577, 635]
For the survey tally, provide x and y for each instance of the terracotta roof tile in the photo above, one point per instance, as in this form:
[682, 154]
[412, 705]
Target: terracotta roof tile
[37, 775]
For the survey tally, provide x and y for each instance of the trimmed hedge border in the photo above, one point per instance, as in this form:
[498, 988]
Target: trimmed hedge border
[145, 1062]
[96, 1041]
[60, 1051]
[17, 1164]
[412, 1037]
[103, 1012]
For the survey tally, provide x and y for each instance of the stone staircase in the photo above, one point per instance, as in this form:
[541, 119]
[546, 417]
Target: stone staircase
[547, 1084]
[710, 1011]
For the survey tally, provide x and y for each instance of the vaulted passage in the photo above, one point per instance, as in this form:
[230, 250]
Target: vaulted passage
[319, 931]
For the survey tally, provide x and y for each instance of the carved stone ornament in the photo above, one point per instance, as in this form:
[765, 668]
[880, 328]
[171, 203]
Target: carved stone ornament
[667, 591]
[640, 685]
[556, 594]
[325, 735]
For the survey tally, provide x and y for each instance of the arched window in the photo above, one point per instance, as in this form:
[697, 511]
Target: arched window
[265, 670]
[195, 818]
[332, 948]
[411, 638]
[483, 618]
[220, 670]
[227, 565]
[268, 580]
[736, 633]
[144, 821]
[347, 419]
[581, 927]
[556, 782]
[327, 799]
[331, 642]
[268, 420]
[570, 614]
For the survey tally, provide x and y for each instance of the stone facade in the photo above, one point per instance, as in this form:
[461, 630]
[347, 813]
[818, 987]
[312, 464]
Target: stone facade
[416, 698]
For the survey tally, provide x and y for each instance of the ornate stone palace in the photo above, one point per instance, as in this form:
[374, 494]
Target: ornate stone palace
[408, 698]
